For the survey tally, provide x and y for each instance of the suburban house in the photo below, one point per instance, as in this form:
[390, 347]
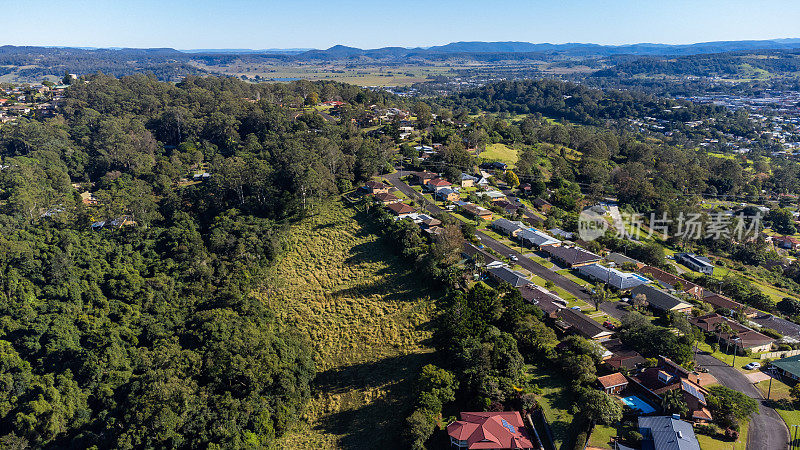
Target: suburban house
[546, 301]
[508, 227]
[742, 337]
[580, 323]
[489, 430]
[475, 211]
[437, 183]
[542, 204]
[788, 367]
[400, 210]
[507, 206]
[660, 300]
[671, 281]
[503, 274]
[422, 178]
[533, 238]
[495, 196]
[612, 277]
[613, 383]
[430, 223]
[619, 259]
[788, 242]
[668, 376]
[468, 180]
[720, 301]
[667, 433]
[558, 232]
[622, 356]
[697, 263]
[386, 198]
[571, 256]
[494, 166]
[447, 195]
[375, 187]
[87, 198]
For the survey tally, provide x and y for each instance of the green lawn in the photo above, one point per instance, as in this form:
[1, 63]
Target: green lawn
[567, 273]
[367, 317]
[500, 152]
[710, 443]
[780, 392]
[601, 436]
[556, 403]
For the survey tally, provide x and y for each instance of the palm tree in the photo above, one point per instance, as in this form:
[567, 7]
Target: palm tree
[673, 403]
[721, 328]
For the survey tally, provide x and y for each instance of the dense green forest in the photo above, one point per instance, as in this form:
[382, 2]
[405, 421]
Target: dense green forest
[145, 335]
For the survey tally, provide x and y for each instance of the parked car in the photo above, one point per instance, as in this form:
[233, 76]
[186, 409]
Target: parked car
[609, 325]
[576, 308]
[753, 366]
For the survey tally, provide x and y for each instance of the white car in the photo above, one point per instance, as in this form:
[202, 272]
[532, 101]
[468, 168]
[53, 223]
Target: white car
[753, 366]
[513, 257]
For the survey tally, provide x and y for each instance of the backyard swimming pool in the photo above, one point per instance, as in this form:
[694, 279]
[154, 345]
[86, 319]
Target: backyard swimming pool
[636, 403]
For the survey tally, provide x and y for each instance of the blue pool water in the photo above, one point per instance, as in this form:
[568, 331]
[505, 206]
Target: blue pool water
[637, 403]
[641, 277]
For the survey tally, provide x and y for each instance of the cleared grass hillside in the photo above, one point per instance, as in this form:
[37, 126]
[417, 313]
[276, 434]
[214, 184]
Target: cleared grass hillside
[366, 314]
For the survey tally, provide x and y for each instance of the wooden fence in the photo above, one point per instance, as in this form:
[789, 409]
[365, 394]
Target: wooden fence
[779, 354]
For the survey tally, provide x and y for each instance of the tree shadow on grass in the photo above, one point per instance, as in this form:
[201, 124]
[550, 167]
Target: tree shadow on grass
[377, 424]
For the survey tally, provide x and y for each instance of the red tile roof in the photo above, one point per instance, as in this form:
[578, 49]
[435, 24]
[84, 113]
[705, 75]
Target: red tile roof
[400, 208]
[486, 430]
[438, 182]
[613, 380]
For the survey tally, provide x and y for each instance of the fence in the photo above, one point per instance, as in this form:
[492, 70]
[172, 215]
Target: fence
[783, 354]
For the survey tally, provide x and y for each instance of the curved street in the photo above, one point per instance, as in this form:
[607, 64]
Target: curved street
[767, 430]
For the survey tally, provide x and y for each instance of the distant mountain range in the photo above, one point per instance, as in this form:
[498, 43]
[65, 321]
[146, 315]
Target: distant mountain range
[341, 51]
[31, 63]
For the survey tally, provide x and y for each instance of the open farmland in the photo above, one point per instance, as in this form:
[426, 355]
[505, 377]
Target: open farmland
[366, 316]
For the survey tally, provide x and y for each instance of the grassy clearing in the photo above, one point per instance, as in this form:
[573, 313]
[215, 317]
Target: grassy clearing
[365, 314]
[500, 152]
[556, 403]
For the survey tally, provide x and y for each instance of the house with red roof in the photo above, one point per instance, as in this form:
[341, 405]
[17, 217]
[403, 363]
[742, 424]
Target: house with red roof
[495, 430]
[613, 383]
[789, 242]
[400, 210]
[437, 183]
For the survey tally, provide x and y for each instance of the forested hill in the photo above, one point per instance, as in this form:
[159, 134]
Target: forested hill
[574, 102]
[141, 334]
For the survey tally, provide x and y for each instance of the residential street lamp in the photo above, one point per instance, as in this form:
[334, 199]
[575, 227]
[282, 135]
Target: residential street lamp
[735, 340]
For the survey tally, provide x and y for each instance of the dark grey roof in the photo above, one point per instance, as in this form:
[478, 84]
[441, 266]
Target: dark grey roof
[511, 277]
[507, 226]
[658, 299]
[571, 255]
[696, 259]
[583, 324]
[667, 433]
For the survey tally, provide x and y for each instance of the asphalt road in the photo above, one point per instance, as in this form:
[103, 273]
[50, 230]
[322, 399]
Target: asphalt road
[613, 309]
[767, 429]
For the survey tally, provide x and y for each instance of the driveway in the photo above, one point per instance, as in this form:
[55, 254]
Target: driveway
[767, 429]
[613, 309]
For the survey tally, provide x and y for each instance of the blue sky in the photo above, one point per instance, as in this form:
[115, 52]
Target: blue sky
[369, 24]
